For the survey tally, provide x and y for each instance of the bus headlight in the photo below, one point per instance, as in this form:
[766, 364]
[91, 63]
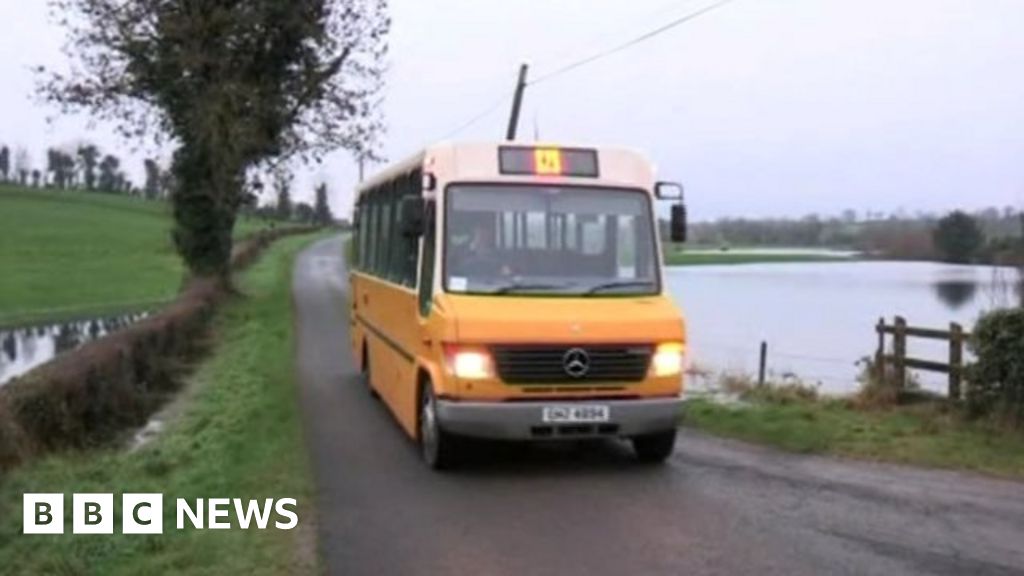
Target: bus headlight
[469, 363]
[668, 359]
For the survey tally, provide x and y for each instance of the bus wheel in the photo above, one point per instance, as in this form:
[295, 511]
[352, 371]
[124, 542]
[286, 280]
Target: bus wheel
[654, 448]
[436, 445]
[367, 379]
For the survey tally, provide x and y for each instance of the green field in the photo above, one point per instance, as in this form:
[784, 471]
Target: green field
[702, 258]
[71, 253]
[235, 432]
[923, 435]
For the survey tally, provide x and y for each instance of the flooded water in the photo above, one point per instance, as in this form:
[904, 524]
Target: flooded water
[818, 318]
[22, 349]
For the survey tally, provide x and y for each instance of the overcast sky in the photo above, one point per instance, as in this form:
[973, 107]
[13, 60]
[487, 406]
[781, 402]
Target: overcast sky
[764, 107]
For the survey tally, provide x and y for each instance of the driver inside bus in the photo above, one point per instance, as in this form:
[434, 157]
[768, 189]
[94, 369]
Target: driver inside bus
[481, 259]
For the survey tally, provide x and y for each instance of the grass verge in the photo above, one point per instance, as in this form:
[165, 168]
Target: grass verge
[236, 434]
[72, 253]
[926, 434]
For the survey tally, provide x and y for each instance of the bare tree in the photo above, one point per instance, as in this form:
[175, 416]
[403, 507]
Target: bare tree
[232, 84]
[22, 165]
[283, 187]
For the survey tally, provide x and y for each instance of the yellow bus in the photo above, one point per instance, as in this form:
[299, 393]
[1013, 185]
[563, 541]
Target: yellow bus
[515, 292]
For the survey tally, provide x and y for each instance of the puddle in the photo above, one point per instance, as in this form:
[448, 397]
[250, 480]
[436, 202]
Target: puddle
[24, 348]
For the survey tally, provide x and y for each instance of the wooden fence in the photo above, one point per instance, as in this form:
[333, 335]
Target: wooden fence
[900, 362]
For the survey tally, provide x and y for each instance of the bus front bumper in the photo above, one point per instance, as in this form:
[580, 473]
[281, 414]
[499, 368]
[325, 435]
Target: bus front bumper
[525, 420]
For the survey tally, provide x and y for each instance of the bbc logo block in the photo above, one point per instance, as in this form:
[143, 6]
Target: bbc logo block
[93, 514]
[44, 514]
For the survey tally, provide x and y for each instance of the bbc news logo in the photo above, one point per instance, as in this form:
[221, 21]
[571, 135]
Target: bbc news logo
[144, 514]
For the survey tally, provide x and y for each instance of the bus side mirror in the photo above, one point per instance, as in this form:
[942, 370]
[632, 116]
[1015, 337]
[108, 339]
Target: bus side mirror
[678, 224]
[668, 191]
[411, 216]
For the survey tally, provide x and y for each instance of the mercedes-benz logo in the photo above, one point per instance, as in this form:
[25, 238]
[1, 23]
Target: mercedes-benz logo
[576, 362]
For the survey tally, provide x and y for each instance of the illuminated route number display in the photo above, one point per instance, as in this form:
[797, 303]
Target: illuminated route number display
[548, 161]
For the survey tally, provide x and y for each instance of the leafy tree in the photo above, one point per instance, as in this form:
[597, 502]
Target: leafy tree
[88, 156]
[322, 211]
[5, 163]
[61, 166]
[305, 213]
[958, 237]
[37, 178]
[152, 187]
[233, 84]
[109, 170]
[250, 202]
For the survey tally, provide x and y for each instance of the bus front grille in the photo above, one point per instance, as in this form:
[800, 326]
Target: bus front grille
[518, 364]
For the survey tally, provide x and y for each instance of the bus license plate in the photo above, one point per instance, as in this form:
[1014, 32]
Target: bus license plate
[575, 414]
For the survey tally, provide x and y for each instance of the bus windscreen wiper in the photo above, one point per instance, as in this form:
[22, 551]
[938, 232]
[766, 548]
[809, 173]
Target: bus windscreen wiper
[516, 286]
[620, 284]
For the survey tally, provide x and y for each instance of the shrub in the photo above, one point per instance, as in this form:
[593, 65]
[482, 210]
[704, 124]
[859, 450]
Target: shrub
[884, 390]
[787, 390]
[997, 378]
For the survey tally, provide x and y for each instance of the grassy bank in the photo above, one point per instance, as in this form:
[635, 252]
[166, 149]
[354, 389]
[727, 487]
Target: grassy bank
[235, 432]
[926, 434]
[725, 258]
[68, 253]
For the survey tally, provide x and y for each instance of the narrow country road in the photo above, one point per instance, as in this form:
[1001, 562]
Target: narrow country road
[717, 507]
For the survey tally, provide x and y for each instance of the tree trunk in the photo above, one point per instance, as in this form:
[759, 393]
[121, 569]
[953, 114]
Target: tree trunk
[204, 212]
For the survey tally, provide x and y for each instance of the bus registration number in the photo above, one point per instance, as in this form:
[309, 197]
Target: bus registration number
[576, 414]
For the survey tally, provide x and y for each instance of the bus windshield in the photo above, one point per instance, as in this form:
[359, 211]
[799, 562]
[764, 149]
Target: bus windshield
[540, 239]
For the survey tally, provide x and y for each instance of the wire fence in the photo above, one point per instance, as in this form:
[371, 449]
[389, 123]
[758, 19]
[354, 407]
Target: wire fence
[832, 370]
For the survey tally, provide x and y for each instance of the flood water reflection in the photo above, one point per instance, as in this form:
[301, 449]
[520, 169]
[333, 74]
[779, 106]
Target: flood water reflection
[22, 349]
[818, 318]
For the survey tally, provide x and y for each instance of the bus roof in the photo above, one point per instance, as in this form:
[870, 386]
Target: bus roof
[478, 161]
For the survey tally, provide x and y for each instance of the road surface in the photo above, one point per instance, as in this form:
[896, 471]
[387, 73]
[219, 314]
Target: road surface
[717, 507]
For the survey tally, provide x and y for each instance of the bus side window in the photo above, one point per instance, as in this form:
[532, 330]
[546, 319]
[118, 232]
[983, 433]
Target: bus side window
[426, 293]
[373, 234]
[409, 254]
[359, 241]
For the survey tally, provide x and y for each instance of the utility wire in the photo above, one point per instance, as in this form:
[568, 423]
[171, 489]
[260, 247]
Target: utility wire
[478, 117]
[629, 44]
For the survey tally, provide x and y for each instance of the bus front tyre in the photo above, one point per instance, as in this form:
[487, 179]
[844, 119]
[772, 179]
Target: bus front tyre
[437, 446]
[654, 448]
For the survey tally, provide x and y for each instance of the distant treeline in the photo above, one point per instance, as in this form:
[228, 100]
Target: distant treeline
[86, 168]
[987, 235]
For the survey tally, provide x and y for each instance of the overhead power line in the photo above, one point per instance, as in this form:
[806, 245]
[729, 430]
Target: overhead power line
[478, 117]
[629, 44]
[585, 61]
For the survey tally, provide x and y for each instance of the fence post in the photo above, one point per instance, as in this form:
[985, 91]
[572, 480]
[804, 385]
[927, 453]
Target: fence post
[880, 353]
[763, 364]
[899, 346]
[956, 360]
